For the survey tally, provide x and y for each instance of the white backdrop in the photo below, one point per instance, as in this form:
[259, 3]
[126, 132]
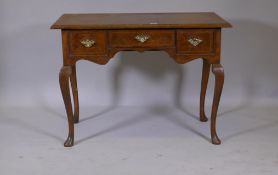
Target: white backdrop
[31, 56]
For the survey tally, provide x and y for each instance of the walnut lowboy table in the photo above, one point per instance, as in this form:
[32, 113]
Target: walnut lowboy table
[98, 37]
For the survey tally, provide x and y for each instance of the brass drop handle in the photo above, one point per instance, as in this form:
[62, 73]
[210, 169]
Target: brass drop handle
[142, 37]
[195, 41]
[88, 42]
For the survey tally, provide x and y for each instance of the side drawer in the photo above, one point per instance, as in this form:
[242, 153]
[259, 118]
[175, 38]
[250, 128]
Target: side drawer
[87, 42]
[198, 41]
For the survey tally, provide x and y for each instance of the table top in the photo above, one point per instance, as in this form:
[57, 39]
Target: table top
[140, 20]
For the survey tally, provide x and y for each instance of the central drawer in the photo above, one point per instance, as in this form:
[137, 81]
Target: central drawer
[142, 38]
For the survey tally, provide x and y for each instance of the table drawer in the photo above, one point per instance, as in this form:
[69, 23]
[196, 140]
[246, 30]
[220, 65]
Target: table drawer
[142, 38]
[87, 42]
[197, 41]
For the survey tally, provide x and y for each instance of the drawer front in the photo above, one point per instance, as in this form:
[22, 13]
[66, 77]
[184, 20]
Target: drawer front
[195, 41]
[87, 42]
[142, 38]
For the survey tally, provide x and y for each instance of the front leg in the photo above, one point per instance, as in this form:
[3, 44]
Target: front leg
[64, 77]
[74, 89]
[218, 71]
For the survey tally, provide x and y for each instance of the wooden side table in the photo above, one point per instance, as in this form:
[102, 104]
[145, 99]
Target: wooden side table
[98, 37]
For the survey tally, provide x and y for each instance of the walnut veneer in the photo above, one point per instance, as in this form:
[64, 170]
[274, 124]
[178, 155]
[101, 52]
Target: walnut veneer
[98, 37]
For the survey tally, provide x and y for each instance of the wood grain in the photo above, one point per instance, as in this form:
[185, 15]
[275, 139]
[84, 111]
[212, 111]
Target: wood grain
[140, 20]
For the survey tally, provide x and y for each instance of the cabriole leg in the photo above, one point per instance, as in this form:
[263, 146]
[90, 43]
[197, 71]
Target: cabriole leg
[73, 81]
[218, 71]
[205, 77]
[64, 77]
